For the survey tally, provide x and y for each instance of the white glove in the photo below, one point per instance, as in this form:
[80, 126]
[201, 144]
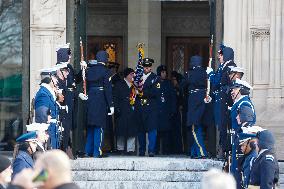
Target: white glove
[83, 64]
[209, 70]
[82, 96]
[208, 99]
[111, 111]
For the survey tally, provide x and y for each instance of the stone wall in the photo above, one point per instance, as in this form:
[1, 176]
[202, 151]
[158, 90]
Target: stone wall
[47, 31]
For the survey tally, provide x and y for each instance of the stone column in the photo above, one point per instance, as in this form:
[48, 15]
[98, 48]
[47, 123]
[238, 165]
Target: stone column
[276, 40]
[144, 25]
[47, 31]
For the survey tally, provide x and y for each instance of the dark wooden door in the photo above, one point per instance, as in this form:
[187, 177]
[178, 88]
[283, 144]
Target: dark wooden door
[180, 49]
[113, 46]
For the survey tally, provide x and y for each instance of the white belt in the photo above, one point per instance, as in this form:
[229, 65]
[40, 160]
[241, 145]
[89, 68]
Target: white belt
[53, 121]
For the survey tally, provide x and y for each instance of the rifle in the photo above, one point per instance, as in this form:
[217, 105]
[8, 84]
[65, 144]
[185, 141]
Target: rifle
[83, 95]
[208, 98]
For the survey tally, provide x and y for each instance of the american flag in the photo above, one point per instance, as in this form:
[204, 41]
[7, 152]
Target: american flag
[137, 82]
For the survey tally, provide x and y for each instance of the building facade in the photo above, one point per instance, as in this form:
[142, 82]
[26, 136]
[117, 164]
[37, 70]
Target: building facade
[171, 30]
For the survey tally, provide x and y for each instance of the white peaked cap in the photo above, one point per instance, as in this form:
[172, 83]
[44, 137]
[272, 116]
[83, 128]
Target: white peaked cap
[48, 70]
[64, 46]
[37, 127]
[243, 83]
[252, 130]
[236, 69]
[61, 65]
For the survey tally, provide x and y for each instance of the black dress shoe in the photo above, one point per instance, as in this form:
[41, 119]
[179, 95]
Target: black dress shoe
[130, 153]
[102, 156]
[151, 154]
[81, 154]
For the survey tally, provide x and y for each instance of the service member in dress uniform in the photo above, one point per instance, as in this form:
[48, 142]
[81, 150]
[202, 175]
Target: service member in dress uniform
[221, 82]
[99, 103]
[236, 73]
[125, 125]
[109, 131]
[265, 168]
[242, 114]
[67, 85]
[41, 130]
[146, 109]
[23, 153]
[248, 145]
[46, 109]
[166, 111]
[197, 78]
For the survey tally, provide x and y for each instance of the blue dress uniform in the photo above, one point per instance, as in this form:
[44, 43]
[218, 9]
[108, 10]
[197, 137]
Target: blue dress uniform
[196, 106]
[146, 108]
[99, 101]
[45, 105]
[221, 82]
[166, 110]
[265, 168]
[248, 158]
[24, 158]
[244, 107]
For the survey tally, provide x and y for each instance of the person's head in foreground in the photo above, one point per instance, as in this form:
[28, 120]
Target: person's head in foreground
[216, 179]
[5, 170]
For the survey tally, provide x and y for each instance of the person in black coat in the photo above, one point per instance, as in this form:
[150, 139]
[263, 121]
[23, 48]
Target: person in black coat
[166, 110]
[99, 103]
[177, 132]
[146, 109]
[126, 129]
[196, 106]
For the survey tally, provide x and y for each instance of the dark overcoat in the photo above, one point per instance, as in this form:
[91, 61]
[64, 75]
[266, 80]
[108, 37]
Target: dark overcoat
[196, 93]
[147, 115]
[124, 112]
[99, 91]
[166, 105]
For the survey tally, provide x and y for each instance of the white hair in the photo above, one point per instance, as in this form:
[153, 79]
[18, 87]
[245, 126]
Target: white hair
[216, 179]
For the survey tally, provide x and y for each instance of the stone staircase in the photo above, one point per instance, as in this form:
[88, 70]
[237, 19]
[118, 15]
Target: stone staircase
[140, 172]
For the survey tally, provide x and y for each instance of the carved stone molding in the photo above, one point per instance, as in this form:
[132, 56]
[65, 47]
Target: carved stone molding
[260, 33]
[47, 12]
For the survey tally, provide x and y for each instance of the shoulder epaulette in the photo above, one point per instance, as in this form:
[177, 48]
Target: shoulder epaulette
[269, 157]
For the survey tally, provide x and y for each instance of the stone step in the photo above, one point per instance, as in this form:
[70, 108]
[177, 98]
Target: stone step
[137, 185]
[163, 176]
[144, 163]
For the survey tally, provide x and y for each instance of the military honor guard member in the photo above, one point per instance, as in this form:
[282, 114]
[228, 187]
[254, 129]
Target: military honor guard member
[24, 152]
[46, 109]
[221, 82]
[166, 111]
[99, 103]
[248, 145]
[197, 78]
[265, 168]
[146, 107]
[244, 111]
[125, 125]
[42, 134]
[236, 73]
